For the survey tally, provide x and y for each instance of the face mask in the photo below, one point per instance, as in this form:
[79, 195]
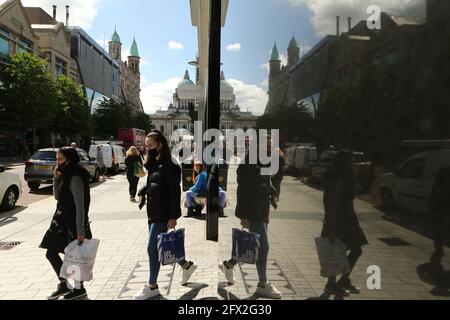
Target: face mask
[153, 153]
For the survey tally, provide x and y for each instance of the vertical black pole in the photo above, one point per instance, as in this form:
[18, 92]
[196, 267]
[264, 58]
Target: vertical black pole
[213, 113]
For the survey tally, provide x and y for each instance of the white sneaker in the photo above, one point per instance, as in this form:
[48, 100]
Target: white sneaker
[229, 273]
[269, 291]
[146, 293]
[187, 274]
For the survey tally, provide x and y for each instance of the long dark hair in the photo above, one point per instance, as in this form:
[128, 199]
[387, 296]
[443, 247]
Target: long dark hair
[159, 138]
[342, 164]
[73, 161]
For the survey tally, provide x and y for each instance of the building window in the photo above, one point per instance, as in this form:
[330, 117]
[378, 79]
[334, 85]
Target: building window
[4, 45]
[162, 129]
[60, 67]
[24, 46]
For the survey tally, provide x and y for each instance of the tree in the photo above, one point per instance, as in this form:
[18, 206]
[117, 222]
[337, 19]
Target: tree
[296, 123]
[73, 116]
[142, 121]
[109, 117]
[27, 93]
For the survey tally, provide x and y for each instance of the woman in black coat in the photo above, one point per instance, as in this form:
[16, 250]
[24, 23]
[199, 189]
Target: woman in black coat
[71, 220]
[163, 193]
[255, 194]
[341, 221]
[133, 158]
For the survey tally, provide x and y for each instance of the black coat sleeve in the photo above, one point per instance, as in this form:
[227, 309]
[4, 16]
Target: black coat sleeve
[173, 181]
[244, 190]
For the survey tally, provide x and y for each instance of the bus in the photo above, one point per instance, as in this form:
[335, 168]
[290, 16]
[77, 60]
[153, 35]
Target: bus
[132, 137]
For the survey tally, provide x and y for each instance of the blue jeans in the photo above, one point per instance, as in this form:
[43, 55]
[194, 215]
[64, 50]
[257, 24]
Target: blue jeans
[154, 230]
[191, 196]
[261, 263]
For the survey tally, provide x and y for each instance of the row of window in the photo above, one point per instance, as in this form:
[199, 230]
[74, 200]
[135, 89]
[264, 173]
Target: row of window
[5, 49]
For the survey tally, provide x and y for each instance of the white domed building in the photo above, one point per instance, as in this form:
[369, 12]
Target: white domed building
[189, 93]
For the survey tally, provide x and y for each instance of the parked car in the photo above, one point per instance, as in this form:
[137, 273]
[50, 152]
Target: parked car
[363, 167]
[113, 156]
[409, 186]
[10, 189]
[40, 168]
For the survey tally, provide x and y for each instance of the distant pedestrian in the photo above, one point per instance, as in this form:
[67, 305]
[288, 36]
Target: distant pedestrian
[71, 220]
[133, 158]
[163, 208]
[198, 190]
[341, 221]
[255, 193]
[101, 162]
[73, 145]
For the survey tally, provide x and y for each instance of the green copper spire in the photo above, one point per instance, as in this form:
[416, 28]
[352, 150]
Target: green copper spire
[293, 43]
[275, 55]
[134, 51]
[115, 37]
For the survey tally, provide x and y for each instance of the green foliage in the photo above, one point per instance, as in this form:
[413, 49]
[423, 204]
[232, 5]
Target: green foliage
[73, 115]
[28, 94]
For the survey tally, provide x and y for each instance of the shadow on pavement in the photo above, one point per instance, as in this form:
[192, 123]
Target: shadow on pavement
[47, 191]
[9, 217]
[191, 295]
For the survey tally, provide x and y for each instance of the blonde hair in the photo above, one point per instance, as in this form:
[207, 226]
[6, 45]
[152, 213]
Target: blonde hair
[133, 151]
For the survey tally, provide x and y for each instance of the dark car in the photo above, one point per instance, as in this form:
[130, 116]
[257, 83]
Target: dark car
[364, 169]
[40, 168]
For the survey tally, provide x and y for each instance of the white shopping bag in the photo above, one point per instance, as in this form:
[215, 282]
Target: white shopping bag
[332, 257]
[79, 260]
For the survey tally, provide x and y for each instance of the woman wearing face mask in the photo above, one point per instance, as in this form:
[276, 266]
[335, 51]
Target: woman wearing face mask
[163, 194]
[71, 220]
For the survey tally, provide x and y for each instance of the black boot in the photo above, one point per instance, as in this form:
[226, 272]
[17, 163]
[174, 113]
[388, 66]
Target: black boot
[221, 213]
[191, 212]
[76, 294]
[61, 290]
[346, 284]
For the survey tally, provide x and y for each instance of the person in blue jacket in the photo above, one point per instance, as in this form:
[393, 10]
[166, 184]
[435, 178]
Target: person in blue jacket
[199, 189]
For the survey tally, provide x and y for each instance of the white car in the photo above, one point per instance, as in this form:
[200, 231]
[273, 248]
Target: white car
[10, 189]
[409, 186]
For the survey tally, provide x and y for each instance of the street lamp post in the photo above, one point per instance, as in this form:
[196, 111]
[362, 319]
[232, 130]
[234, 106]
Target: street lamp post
[213, 114]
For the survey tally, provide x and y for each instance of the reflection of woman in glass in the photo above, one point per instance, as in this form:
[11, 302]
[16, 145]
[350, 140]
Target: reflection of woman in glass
[255, 193]
[341, 221]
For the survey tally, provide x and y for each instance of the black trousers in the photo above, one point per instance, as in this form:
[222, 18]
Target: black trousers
[133, 182]
[56, 261]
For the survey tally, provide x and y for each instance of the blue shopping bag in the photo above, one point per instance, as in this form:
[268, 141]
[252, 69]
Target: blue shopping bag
[171, 247]
[245, 246]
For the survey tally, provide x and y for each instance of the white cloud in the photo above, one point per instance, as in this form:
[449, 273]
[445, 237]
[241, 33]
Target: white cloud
[173, 45]
[158, 95]
[325, 11]
[82, 12]
[236, 47]
[249, 96]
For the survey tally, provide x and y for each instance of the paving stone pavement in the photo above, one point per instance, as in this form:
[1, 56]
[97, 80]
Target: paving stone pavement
[121, 267]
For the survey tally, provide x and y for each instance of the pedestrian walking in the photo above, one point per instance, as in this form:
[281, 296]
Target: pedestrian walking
[133, 158]
[101, 163]
[254, 194]
[71, 220]
[163, 208]
[341, 221]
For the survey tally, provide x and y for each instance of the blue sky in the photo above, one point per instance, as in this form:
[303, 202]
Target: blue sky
[251, 28]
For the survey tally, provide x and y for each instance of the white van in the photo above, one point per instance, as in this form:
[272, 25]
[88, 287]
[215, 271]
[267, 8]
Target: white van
[113, 156]
[304, 156]
[410, 185]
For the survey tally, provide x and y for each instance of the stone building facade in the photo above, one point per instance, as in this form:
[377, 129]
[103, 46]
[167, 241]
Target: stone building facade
[188, 94]
[130, 75]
